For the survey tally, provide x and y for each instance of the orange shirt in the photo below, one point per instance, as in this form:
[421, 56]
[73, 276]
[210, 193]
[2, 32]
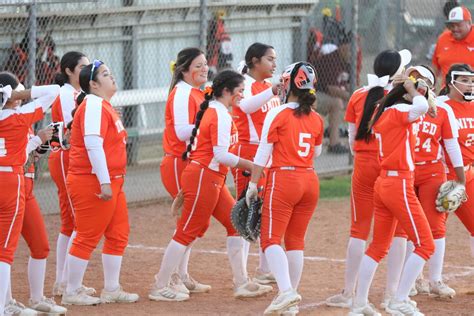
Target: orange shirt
[181, 108]
[450, 51]
[61, 110]
[14, 129]
[395, 138]
[293, 137]
[216, 129]
[430, 131]
[95, 116]
[250, 125]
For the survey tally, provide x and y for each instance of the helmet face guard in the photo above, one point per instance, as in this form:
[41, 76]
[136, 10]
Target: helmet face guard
[57, 141]
[300, 75]
[468, 95]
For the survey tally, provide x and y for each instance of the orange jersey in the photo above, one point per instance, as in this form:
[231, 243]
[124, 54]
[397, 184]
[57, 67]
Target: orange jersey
[181, 108]
[95, 116]
[250, 125]
[354, 111]
[450, 51]
[216, 129]
[395, 138]
[464, 113]
[431, 131]
[293, 137]
[14, 132]
[61, 110]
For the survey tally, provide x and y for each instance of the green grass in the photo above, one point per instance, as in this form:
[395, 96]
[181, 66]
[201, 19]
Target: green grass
[335, 187]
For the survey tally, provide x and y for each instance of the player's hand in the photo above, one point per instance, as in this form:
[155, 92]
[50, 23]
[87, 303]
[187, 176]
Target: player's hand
[105, 192]
[252, 193]
[45, 134]
[399, 79]
[276, 88]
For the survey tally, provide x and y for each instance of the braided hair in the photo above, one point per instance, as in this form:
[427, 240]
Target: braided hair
[183, 61]
[227, 79]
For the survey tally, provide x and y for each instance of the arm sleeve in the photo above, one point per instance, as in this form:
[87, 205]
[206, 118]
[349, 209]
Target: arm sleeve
[45, 95]
[183, 131]
[33, 143]
[264, 152]
[418, 108]
[95, 151]
[454, 151]
[352, 135]
[253, 103]
[318, 150]
[223, 156]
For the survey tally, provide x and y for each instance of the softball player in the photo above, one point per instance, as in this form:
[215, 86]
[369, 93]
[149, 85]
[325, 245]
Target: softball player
[360, 109]
[395, 200]
[97, 163]
[259, 98]
[189, 74]
[14, 129]
[71, 65]
[205, 192]
[292, 135]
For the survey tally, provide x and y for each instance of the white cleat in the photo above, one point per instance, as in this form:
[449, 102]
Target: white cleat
[177, 284]
[366, 310]
[441, 290]
[422, 286]
[80, 297]
[251, 289]
[194, 286]
[340, 300]
[14, 308]
[403, 308]
[118, 296]
[263, 278]
[291, 311]
[167, 294]
[387, 299]
[60, 288]
[413, 291]
[47, 305]
[283, 301]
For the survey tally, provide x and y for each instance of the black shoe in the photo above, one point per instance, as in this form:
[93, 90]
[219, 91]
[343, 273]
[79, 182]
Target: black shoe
[338, 149]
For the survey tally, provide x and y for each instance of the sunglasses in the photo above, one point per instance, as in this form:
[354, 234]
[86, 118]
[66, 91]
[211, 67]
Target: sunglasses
[95, 65]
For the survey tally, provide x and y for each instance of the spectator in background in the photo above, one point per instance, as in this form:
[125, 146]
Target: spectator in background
[219, 46]
[333, 89]
[456, 44]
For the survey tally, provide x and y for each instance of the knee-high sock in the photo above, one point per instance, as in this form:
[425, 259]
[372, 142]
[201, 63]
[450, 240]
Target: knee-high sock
[278, 263]
[410, 249]
[77, 269]
[436, 261]
[5, 269]
[61, 252]
[395, 261]
[65, 269]
[235, 252]
[413, 267]
[246, 246]
[183, 265]
[472, 245]
[295, 266]
[36, 275]
[262, 264]
[173, 255]
[354, 254]
[367, 270]
[9, 295]
[111, 265]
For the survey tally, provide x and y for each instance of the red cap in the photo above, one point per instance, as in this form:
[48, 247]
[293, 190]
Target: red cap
[459, 14]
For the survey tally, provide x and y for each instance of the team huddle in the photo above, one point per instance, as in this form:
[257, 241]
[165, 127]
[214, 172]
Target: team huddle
[407, 143]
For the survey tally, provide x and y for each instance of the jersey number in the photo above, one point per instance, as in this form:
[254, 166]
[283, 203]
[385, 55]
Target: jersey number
[426, 145]
[469, 140]
[3, 150]
[305, 145]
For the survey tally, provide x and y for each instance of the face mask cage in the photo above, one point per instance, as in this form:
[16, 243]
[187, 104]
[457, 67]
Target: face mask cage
[468, 95]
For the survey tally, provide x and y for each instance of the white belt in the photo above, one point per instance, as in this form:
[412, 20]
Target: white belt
[293, 168]
[392, 173]
[426, 162]
[30, 175]
[6, 169]
[116, 177]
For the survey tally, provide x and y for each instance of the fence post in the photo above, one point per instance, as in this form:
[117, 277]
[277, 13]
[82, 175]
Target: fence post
[383, 25]
[203, 25]
[32, 33]
[355, 32]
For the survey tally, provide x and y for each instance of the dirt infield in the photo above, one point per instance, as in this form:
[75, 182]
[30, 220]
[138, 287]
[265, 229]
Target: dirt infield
[151, 229]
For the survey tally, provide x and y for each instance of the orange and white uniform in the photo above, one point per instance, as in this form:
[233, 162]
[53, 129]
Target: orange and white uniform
[180, 113]
[249, 116]
[395, 200]
[58, 162]
[205, 192]
[95, 117]
[14, 130]
[464, 113]
[292, 186]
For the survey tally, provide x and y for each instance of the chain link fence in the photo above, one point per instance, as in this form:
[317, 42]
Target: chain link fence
[137, 39]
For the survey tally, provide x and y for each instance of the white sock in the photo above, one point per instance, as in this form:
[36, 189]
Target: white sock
[235, 252]
[368, 266]
[173, 255]
[77, 269]
[395, 261]
[5, 269]
[413, 267]
[65, 269]
[410, 249]
[262, 264]
[278, 263]
[472, 246]
[111, 265]
[36, 274]
[61, 252]
[183, 265]
[295, 266]
[437, 260]
[246, 246]
[9, 295]
[354, 254]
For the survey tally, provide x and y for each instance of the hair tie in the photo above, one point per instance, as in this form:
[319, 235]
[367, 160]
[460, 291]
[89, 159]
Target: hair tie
[375, 81]
[413, 79]
[208, 91]
[172, 66]
[312, 91]
[241, 66]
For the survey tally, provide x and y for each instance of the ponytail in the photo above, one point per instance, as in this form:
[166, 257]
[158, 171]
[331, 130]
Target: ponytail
[80, 98]
[306, 100]
[374, 95]
[394, 96]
